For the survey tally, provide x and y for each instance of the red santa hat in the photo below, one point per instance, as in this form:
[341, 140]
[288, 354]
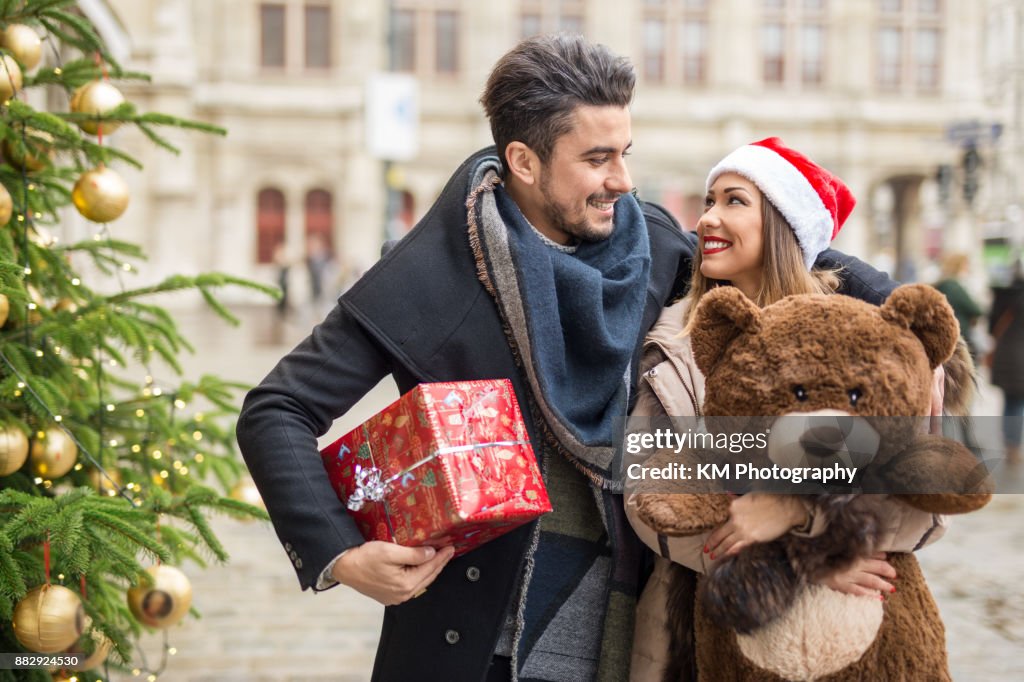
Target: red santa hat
[814, 202]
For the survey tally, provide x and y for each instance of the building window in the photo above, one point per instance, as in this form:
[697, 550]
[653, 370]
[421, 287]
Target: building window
[890, 52]
[793, 41]
[320, 218]
[318, 36]
[537, 17]
[694, 50]
[773, 52]
[654, 50]
[529, 25]
[812, 54]
[909, 54]
[675, 41]
[272, 36]
[270, 213]
[926, 58]
[403, 40]
[446, 44]
[425, 37]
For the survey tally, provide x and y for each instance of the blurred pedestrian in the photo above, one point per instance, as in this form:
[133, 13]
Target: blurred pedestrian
[965, 308]
[284, 265]
[1006, 361]
[322, 270]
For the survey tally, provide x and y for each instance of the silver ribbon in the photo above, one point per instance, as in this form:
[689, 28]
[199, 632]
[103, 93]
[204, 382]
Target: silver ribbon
[370, 488]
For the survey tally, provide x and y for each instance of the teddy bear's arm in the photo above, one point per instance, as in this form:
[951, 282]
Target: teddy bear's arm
[939, 475]
[678, 508]
[681, 514]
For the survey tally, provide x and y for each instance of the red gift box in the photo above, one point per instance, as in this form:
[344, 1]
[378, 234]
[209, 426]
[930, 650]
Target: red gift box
[445, 464]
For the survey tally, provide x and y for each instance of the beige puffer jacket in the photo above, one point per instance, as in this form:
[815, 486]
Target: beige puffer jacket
[671, 384]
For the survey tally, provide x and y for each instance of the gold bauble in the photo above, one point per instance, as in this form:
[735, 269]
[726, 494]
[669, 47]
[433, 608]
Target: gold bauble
[101, 195]
[13, 449]
[5, 309]
[54, 454]
[10, 77]
[24, 44]
[6, 206]
[65, 304]
[106, 484]
[246, 491]
[97, 98]
[49, 619]
[165, 601]
[33, 153]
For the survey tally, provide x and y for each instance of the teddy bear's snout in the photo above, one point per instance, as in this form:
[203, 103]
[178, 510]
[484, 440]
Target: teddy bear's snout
[821, 439]
[825, 436]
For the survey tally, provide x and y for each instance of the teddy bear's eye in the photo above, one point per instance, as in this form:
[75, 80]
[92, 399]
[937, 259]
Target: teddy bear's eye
[800, 392]
[855, 395]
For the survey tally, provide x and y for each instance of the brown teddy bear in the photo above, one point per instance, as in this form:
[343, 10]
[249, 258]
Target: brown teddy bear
[760, 615]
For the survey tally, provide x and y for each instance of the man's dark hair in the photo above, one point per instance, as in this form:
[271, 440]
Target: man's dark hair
[534, 89]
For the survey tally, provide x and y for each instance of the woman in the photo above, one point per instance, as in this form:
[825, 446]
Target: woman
[1006, 361]
[768, 213]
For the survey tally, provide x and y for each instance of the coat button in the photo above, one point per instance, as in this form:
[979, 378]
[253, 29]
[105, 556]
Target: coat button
[293, 555]
[298, 563]
[652, 372]
[287, 546]
[452, 637]
[472, 574]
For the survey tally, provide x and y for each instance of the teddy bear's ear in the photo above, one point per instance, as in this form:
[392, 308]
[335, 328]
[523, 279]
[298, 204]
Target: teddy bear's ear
[722, 314]
[924, 311]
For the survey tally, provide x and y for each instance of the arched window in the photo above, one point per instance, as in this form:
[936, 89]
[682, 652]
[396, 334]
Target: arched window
[269, 223]
[320, 218]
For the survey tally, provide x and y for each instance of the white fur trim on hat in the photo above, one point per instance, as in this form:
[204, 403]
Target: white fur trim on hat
[789, 191]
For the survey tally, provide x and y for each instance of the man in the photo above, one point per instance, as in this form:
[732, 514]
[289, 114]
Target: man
[534, 264]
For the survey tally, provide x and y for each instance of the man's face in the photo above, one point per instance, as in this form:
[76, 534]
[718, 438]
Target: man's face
[584, 177]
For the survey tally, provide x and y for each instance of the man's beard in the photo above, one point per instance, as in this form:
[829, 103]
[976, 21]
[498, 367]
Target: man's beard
[583, 230]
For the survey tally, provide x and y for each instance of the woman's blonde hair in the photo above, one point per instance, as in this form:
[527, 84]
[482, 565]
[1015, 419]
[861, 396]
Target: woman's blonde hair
[782, 267]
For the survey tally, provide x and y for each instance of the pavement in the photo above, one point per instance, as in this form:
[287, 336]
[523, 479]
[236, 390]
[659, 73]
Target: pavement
[258, 626]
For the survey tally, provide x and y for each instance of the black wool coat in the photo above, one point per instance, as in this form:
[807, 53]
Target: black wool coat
[420, 314]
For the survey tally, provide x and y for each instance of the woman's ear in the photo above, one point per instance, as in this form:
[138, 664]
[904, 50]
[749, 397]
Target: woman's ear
[721, 316]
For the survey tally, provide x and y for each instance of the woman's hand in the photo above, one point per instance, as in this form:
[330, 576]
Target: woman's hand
[866, 577]
[755, 517]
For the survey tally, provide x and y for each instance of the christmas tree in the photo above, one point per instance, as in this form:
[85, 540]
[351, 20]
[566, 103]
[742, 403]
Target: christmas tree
[108, 471]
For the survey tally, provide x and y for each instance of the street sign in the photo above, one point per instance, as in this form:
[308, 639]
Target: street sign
[392, 116]
[971, 132]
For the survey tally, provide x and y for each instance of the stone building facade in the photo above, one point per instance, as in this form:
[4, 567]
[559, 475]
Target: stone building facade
[870, 88]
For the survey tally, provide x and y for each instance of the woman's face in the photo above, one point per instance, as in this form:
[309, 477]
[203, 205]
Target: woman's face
[731, 234]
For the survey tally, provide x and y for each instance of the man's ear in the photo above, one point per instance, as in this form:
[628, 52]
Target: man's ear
[522, 162]
[722, 315]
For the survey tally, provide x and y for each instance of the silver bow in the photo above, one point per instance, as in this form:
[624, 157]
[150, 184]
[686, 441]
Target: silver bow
[368, 487]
